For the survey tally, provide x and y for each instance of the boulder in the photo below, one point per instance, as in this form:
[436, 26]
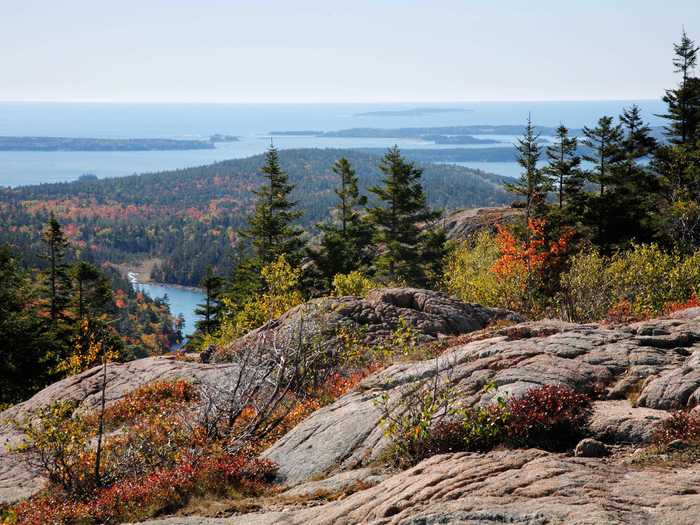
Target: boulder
[591, 448]
[430, 314]
[463, 224]
[617, 421]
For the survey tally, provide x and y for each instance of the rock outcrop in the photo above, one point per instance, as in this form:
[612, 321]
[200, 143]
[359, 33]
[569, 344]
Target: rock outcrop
[463, 224]
[17, 480]
[655, 360]
[636, 373]
[526, 487]
[430, 314]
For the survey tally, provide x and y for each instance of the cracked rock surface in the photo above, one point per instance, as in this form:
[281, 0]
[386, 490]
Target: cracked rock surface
[526, 487]
[655, 360]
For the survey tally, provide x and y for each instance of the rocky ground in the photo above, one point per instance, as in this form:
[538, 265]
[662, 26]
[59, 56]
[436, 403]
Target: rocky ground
[636, 373]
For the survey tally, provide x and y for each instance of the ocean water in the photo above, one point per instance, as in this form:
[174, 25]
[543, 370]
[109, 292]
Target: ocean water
[252, 123]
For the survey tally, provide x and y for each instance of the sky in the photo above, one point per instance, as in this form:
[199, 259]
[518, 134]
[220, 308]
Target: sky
[339, 51]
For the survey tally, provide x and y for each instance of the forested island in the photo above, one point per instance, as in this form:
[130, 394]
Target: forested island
[439, 132]
[93, 144]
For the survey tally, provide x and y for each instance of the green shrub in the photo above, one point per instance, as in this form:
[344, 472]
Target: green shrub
[353, 283]
[586, 289]
[645, 281]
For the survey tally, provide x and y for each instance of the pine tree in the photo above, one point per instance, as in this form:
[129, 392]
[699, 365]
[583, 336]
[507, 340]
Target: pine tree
[93, 291]
[29, 353]
[405, 249]
[637, 141]
[563, 165]
[56, 248]
[271, 228]
[533, 185]
[684, 101]
[346, 237]
[210, 310]
[606, 151]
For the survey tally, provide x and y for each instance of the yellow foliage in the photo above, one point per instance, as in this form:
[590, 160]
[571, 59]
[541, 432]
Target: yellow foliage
[281, 282]
[353, 283]
[89, 348]
[469, 275]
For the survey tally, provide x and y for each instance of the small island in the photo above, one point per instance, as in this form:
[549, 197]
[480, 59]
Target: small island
[218, 137]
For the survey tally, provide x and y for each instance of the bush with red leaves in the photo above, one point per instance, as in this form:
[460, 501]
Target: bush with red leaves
[160, 491]
[682, 424]
[551, 417]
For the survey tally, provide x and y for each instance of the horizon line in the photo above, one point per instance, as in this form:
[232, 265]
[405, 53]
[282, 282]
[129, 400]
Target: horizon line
[305, 102]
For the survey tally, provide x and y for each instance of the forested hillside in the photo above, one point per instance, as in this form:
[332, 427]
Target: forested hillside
[190, 218]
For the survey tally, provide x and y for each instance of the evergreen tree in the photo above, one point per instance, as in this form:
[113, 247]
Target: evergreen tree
[605, 143]
[56, 248]
[563, 169]
[29, 352]
[533, 185]
[684, 101]
[93, 292]
[405, 249]
[210, 310]
[271, 230]
[346, 237]
[637, 141]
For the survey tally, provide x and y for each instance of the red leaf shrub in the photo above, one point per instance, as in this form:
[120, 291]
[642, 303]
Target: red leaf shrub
[159, 397]
[682, 424]
[160, 491]
[551, 417]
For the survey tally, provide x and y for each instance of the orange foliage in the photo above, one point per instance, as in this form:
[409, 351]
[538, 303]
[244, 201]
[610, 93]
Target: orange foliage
[517, 256]
[693, 302]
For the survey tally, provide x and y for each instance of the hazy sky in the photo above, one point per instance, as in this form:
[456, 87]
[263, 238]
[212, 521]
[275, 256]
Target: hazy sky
[326, 50]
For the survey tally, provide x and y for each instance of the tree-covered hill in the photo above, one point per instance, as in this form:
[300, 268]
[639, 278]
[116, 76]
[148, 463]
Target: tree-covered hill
[190, 218]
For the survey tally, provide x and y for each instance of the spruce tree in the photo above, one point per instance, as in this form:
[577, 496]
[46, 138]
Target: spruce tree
[563, 169]
[684, 101]
[533, 185]
[92, 290]
[604, 142]
[271, 229]
[56, 249]
[29, 351]
[346, 237]
[210, 310]
[401, 222]
[637, 141]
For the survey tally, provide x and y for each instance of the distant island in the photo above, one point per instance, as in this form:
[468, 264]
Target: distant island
[423, 132]
[457, 139]
[223, 138]
[414, 112]
[442, 134]
[91, 144]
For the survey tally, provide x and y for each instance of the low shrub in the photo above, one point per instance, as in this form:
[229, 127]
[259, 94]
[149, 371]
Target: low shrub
[160, 491]
[353, 283]
[681, 424]
[551, 417]
[429, 420]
